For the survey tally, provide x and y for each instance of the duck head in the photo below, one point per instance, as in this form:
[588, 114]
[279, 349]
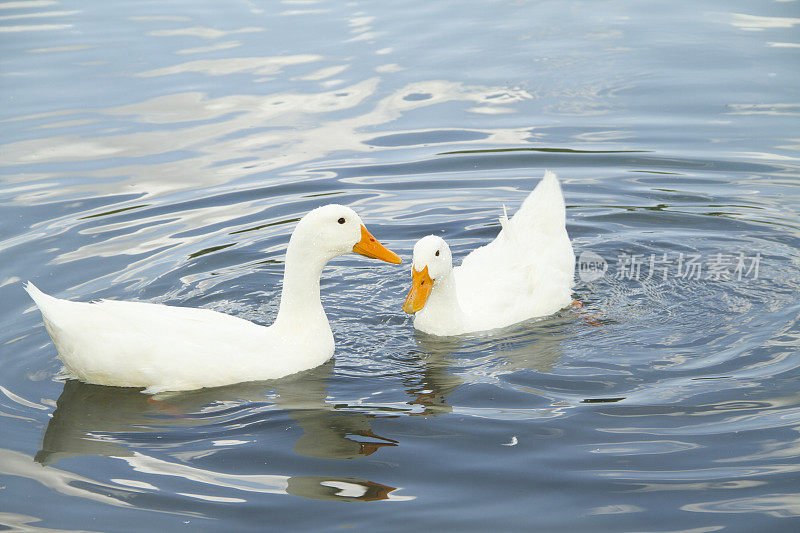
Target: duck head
[432, 261]
[337, 230]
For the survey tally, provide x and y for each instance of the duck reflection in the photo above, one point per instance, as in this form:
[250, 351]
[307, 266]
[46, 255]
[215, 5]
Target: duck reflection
[341, 489]
[105, 421]
[430, 386]
[329, 433]
[534, 345]
[93, 419]
[120, 492]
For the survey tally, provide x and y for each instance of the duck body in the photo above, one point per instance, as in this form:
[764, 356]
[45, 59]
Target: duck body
[162, 347]
[168, 348]
[527, 271]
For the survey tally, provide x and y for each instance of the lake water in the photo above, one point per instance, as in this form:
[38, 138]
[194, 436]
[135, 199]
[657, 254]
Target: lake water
[162, 152]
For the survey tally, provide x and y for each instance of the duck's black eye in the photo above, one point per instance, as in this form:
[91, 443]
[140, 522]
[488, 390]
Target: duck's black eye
[341, 220]
[437, 253]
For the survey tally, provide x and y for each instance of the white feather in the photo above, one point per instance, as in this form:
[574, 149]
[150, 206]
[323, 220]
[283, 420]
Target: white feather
[160, 347]
[526, 271]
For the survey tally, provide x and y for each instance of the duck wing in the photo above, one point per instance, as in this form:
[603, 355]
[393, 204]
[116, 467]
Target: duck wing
[528, 269]
[138, 344]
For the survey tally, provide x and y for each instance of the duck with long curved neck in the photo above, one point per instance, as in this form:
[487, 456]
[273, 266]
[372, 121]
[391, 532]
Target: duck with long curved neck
[526, 271]
[165, 348]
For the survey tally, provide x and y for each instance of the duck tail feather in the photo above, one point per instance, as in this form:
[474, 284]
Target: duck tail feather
[36, 295]
[505, 223]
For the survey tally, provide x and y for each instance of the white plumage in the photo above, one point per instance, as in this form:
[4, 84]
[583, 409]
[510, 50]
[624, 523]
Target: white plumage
[526, 271]
[160, 347]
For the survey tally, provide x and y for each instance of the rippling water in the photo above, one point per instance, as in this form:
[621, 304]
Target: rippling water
[163, 153]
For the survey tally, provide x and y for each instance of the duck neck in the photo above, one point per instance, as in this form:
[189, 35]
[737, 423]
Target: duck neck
[300, 300]
[442, 304]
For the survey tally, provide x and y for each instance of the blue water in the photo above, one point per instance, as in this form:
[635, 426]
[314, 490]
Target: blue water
[163, 151]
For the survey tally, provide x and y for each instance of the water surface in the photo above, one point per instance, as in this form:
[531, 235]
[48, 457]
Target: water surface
[163, 153]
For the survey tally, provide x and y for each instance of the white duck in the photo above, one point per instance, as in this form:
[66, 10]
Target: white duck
[164, 348]
[526, 271]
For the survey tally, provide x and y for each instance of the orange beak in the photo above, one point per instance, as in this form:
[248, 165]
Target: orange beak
[421, 285]
[370, 247]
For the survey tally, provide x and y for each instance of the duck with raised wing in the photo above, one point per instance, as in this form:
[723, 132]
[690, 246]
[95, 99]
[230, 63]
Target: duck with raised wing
[166, 348]
[526, 271]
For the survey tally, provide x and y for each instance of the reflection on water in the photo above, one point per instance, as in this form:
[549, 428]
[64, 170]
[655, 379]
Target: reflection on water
[112, 421]
[122, 492]
[235, 126]
[163, 152]
[531, 346]
[94, 420]
[105, 421]
[13, 463]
